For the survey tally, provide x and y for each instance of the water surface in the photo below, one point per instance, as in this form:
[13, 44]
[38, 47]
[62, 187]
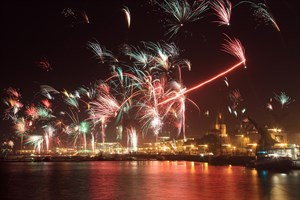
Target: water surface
[143, 180]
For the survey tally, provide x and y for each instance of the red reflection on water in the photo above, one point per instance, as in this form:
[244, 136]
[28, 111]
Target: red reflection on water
[170, 180]
[143, 180]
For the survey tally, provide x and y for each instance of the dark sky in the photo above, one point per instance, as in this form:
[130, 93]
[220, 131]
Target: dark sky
[31, 30]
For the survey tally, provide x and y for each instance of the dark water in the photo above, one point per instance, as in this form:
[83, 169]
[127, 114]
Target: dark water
[143, 180]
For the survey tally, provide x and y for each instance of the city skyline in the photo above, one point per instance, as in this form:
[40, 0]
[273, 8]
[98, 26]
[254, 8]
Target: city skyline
[47, 44]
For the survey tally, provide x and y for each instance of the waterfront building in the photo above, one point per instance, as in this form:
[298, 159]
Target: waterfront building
[110, 148]
[279, 135]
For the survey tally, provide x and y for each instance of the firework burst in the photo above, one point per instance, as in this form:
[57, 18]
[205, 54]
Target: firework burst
[223, 11]
[235, 48]
[283, 99]
[44, 64]
[180, 13]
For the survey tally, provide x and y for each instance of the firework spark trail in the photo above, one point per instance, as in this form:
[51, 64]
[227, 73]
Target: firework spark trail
[77, 128]
[75, 16]
[71, 99]
[84, 129]
[148, 112]
[46, 90]
[162, 53]
[13, 102]
[37, 141]
[14, 106]
[132, 139]
[100, 52]
[235, 48]
[103, 128]
[223, 11]
[215, 77]
[14, 93]
[261, 12]
[180, 116]
[127, 13]
[176, 109]
[141, 58]
[156, 60]
[155, 57]
[93, 142]
[89, 92]
[84, 16]
[226, 81]
[129, 87]
[45, 114]
[236, 98]
[21, 126]
[48, 136]
[184, 91]
[103, 108]
[149, 117]
[270, 105]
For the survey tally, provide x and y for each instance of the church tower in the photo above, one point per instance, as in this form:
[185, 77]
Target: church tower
[220, 126]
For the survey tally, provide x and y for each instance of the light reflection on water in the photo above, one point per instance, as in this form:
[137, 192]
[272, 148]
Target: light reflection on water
[143, 180]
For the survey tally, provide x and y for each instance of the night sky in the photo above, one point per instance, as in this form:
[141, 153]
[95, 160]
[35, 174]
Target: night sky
[31, 30]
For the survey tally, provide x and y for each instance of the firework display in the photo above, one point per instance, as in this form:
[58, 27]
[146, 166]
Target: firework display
[143, 95]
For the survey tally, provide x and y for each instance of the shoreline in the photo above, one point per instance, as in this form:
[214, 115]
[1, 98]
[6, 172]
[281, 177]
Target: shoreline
[233, 160]
[245, 161]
